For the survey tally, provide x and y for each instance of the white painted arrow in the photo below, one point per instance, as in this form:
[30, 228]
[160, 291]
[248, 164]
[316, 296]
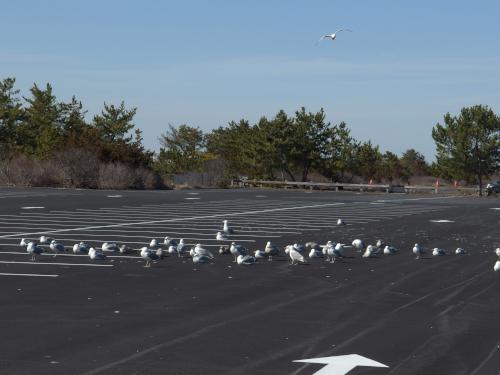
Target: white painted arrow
[341, 364]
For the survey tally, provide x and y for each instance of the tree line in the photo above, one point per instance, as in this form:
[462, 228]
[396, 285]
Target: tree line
[53, 140]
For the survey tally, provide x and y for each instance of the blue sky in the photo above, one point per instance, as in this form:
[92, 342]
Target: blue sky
[205, 63]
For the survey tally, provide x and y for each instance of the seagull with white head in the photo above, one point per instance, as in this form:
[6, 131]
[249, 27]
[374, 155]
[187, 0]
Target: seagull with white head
[226, 228]
[95, 254]
[295, 255]
[390, 250]
[57, 247]
[418, 250]
[438, 252]
[148, 255]
[81, 248]
[245, 259]
[370, 251]
[333, 36]
[33, 249]
[271, 250]
[237, 250]
[221, 236]
[169, 242]
[110, 247]
[358, 244]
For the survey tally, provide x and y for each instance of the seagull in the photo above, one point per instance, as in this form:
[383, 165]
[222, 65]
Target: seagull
[224, 250]
[33, 249]
[336, 251]
[221, 236]
[438, 252]
[245, 259]
[370, 251]
[172, 249]
[159, 252]
[169, 241]
[110, 247]
[315, 253]
[149, 255]
[96, 255]
[295, 255]
[56, 247]
[259, 254]
[358, 244]
[80, 248]
[237, 250]
[327, 250]
[418, 250]
[198, 250]
[390, 250]
[124, 249]
[181, 248]
[459, 251]
[380, 244]
[153, 244]
[315, 250]
[496, 267]
[340, 222]
[198, 258]
[300, 248]
[44, 240]
[497, 251]
[24, 242]
[271, 250]
[226, 228]
[333, 36]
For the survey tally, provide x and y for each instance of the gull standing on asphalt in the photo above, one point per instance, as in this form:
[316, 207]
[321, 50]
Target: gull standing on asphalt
[57, 247]
[226, 228]
[33, 249]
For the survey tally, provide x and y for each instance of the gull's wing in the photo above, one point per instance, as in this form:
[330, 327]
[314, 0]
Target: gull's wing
[320, 39]
[339, 30]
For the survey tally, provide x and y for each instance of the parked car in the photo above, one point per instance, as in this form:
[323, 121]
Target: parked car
[493, 187]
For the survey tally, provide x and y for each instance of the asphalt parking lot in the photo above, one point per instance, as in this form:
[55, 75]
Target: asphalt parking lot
[68, 314]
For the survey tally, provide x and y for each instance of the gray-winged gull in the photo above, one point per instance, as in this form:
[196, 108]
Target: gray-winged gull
[57, 247]
[438, 252]
[96, 254]
[418, 250]
[358, 244]
[236, 250]
[221, 236]
[390, 250]
[110, 247]
[169, 241]
[81, 248]
[226, 228]
[148, 255]
[245, 259]
[33, 249]
[271, 250]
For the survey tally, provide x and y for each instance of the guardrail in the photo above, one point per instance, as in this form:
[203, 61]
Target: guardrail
[353, 187]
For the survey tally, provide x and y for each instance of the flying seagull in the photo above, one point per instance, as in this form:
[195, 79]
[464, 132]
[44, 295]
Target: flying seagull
[333, 36]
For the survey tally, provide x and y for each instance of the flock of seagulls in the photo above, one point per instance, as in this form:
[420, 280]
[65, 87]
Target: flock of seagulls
[297, 253]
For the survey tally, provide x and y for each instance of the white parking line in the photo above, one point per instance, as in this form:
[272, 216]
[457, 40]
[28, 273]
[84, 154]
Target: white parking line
[68, 255]
[233, 214]
[57, 264]
[27, 274]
